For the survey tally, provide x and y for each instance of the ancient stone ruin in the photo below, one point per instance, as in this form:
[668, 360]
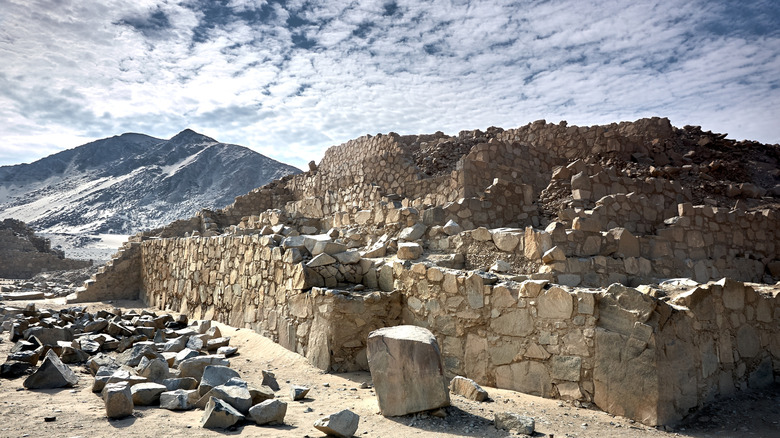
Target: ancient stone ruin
[23, 254]
[630, 265]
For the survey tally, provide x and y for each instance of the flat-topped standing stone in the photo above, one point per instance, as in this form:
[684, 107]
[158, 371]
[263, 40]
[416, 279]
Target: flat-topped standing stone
[268, 412]
[219, 415]
[342, 424]
[51, 374]
[118, 399]
[405, 364]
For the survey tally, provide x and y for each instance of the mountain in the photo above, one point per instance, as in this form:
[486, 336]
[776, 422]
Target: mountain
[131, 182]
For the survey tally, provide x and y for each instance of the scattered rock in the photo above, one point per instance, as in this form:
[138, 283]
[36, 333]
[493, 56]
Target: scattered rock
[269, 412]
[219, 415]
[341, 424]
[51, 374]
[515, 422]
[118, 399]
[468, 388]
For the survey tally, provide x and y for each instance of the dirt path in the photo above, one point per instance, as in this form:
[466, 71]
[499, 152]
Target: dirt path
[80, 413]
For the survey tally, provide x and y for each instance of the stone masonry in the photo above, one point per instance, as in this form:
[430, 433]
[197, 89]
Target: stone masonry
[630, 265]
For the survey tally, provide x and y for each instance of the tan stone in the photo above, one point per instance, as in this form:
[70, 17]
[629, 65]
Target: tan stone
[555, 303]
[555, 254]
[530, 377]
[733, 293]
[506, 239]
[517, 322]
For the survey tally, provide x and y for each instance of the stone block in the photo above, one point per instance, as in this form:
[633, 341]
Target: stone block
[555, 303]
[733, 293]
[515, 422]
[467, 388]
[409, 251]
[51, 374]
[118, 400]
[415, 232]
[268, 412]
[566, 368]
[405, 365]
[179, 400]
[528, 376]
[554, 254]
[452, 228]
[506, 239]
[215, 375]
[219, 414]
[145, 394]
[343, 424]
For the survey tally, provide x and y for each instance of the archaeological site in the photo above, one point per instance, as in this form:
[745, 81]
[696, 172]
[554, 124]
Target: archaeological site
[631, 266]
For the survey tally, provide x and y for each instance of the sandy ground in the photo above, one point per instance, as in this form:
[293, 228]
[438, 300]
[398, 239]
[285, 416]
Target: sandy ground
[78, 412]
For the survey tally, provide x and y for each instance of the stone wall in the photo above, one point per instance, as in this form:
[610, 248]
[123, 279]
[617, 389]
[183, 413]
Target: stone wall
[630, 353]
[251, 281]
[26, 256]
[119, 279]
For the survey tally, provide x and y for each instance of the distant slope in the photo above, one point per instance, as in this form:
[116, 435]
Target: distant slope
[131, 182]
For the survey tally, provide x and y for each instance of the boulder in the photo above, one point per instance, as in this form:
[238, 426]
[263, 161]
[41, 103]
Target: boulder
[132, 357]
[452, 228]
[235, 392]
[49, 336]
[13, 369]
[269, 412]
[155, 370]
[180, 383]
[516, 422]
[468, 388]
[215, 375]
[269, 380]
[219, 415]
[145, 394]
[179, 400]
[183, 355]
[342, 424]
[261, 394]
[298, 392]
[194, 366]
[405, 365]
[409, 251]
[118, 399]
[51, 374]
[410, 234]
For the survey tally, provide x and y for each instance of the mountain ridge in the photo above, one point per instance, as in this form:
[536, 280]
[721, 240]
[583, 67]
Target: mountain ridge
[131, 182]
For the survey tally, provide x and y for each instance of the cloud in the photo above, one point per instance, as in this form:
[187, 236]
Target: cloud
[290, 79]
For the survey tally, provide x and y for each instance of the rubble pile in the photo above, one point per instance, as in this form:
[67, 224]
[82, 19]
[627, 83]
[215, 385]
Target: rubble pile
[146, 360]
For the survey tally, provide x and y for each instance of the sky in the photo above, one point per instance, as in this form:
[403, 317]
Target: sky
[291, 78]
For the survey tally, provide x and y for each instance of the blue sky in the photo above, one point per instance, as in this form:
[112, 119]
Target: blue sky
[291, 78]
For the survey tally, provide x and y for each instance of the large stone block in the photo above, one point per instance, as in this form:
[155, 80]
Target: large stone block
[530, 377]
[51, 374]
[555, 303]
[405, 365]
[118, 399]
